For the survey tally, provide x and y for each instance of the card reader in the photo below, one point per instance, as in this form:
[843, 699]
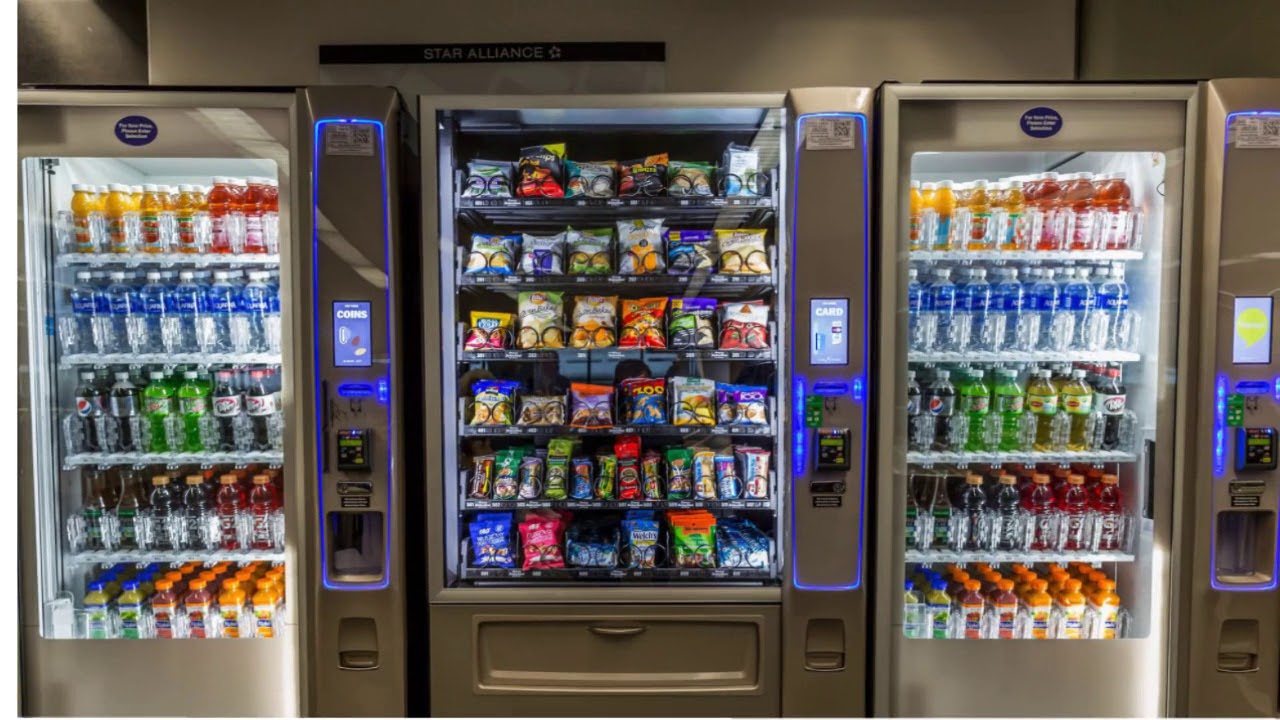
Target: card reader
[834, 447]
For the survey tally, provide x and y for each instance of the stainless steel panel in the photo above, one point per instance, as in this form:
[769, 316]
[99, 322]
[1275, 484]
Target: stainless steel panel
[1235, 222]
[1121, 677]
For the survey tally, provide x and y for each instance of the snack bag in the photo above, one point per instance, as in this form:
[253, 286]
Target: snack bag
[488, 178]
[691, 325]
[530, 477]
[606, 481]
[542, 254]
[541, 410]
[642, 543]
[651, 475]
[740, 173]
[492, 254]
[491, 540]
[541, 540]
[742, 405]
[541, 314]
[679, 473]
[693, 542]
[690, 251]
[493, 401]
[481, 481]
[541, 171]
[743, 252]
[591, 544]
[740, 544]
[753, 468]
[489, 331]
[595, 322]
[643, 176]
[744, 325]
[582, 487]
[640, 247]
[590, 406]
[704, 474]
[590, 251]
[507, 474]
[693, 401]
[689, 179]
[728, 484]
[628, 479]
[644, 401]
[593, 179]
[642, 323]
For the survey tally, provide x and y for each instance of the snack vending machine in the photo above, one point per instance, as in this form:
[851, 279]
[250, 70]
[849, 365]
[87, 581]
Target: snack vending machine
[1230, 661]
[1034, 274]
[168, 457]
[629, 499]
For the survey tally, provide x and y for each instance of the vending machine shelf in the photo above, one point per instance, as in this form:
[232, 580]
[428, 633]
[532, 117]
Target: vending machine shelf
[670, 430]
[1024, 256]
[996, 458]
[619, 574]
[939, 557]
[1015, 356]
[136, 458]
[202, 360]
[613, 354]
[163, 259]
[764, 504]
[109, 557]
[706, 283]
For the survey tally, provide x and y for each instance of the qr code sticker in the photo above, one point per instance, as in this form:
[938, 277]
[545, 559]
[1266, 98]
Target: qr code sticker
[829, 133]
[1256, 132]
[349, 139]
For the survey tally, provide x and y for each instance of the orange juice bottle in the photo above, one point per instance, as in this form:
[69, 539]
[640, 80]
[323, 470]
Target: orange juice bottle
[1039, 608]
[1013, 229]
[916, 215]
[1071, 612]
[944, 206]
[265, 609]
[1102, 615]
[84, 204]
[199, 606]
[979, 204]
[231, 608]
[118, 206]
[150, 208]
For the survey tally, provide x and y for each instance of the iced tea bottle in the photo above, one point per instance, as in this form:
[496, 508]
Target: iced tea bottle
[185, 209]
[150, 208]
[979, 205]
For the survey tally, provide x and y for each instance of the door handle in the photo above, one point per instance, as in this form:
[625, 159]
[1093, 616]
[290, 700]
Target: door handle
[1237, 662]
[617, 630]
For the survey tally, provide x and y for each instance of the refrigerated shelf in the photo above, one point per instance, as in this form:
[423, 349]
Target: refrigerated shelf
[1026, 256]
[934, 557]
[184, 458]
[162, 259]
[995, 458]
[107, 557]
[199, 359]
[1017, 356]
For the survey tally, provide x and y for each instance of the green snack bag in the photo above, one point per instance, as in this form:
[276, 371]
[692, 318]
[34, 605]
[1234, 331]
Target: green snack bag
[693, 545]
[606, 481]
[590, 251]
[560, 447]
[507, 474]
[686, 179]
[679, 473]
[556, 487]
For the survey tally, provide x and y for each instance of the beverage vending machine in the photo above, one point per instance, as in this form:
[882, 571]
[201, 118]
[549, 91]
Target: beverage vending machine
[646, 489]
[1229, 661]
[177, 460]
[1034, 288]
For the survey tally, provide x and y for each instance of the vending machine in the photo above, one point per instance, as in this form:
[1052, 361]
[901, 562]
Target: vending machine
[1035, 284]
[1229, 663]
[647, 349]
[206, 475]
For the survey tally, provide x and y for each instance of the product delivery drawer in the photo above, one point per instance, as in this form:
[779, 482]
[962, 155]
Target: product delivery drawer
[662, 657]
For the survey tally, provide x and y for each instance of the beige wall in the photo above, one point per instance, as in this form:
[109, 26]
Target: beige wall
[717, 45]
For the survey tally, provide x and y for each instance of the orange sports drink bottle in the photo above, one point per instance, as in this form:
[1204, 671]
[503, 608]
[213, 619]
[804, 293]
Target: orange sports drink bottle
[222, 201]
[150, 208]
[1113, 200]
[1048, 202]
[1077, 205]
[85, 206]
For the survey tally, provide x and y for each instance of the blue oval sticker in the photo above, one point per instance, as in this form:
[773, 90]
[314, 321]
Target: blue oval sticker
[136, 130]
[1041, 122]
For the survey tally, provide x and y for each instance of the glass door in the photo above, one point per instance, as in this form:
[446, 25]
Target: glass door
[610, 283]
[1034, 303]
[156, 395]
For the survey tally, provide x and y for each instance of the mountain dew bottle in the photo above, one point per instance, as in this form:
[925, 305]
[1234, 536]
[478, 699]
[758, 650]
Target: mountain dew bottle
[1008, 404]
[975, 402]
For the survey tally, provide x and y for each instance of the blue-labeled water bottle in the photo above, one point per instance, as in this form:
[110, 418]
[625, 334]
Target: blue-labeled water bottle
[116, 335]
[1008, 297]
[221, 301]
[1078, 300]
[76, 333]
[189, 300]
[915, 341]
[977, 304]
[942, 308]
[152, 297]
[1044, 304]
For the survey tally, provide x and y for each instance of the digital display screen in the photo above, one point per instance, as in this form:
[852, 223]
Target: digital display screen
[1251, 331]
[829, 331]
[351, 334]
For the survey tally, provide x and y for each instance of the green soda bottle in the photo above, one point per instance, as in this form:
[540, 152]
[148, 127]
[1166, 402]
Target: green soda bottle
[157, 398]
[193, 402]
[975, 403]
[1009, 403]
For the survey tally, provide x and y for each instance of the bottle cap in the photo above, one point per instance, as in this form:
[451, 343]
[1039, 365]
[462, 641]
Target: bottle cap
[973, 480]
[118, 188]
[195, 480]
[915, 184]
[1110, 479]
[160, 480]
[1008, 480]
[943, 374]
[173, 576]
[942, 272]
[197, 584]
[148, 188]
[1005, 585]
[228, 479]
[1040, 585]
[972, 585]
[938, 584]
[97, 586]
[1075, 479]
[1040, 479]
[945, 184]
[1106, 585]
[978, 183]
[1073, 585]
[264, 584]
[1078, 374]
[164, 584]
[186, 275]
[960, 576]
[261, 479]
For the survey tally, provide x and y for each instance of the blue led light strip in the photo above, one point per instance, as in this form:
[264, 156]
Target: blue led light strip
[1220, 429]
[315, 292]
[800, 434]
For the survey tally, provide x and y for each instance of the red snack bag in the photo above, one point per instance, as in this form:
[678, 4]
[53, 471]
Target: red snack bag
[644, 324]
[541, 539]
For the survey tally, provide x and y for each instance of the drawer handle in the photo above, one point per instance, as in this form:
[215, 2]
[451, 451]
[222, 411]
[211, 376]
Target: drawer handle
[617, 631]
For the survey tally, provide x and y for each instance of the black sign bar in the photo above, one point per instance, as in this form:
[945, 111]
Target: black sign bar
[462, 53]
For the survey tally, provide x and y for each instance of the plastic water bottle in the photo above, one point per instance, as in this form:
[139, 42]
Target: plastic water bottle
[976, 304]
[1008, 533]
[152, 323]
[1078, 301]
[942, 307]
[913, 311]
[112, 314]
[1119, 324]
[274, 337]
[221, 301]
[168, 516]
[189, 301]
[973, 508]
[1044, 304]
[203, 531]
[256, 306]
[78, 334]
[998, 322]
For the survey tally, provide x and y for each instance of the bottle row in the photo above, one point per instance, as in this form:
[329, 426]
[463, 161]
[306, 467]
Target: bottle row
[1062, 309]
[563, 471]
[1048, 211]
[199, 516]
[1013, 603]
[156, 315]
[1017, 510]
[234, 216]
[549, 539]
[1049, 410]
[228, 413]
[128, 602]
